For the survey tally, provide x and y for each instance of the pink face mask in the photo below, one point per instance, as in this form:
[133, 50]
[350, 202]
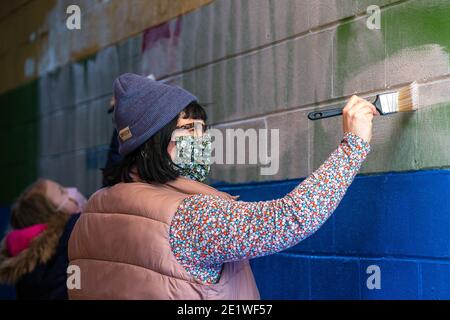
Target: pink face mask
[74, 194]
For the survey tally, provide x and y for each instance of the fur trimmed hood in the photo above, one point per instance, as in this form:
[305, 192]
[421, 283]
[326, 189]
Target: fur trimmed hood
[41, 250]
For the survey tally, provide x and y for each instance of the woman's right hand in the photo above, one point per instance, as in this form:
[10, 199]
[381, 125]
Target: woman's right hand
[357, 117]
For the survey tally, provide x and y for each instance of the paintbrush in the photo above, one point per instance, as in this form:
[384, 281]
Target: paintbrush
[404, 100]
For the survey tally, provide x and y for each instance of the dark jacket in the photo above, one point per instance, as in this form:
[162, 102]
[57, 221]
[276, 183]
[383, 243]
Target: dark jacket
[114, 157]
[40, 272]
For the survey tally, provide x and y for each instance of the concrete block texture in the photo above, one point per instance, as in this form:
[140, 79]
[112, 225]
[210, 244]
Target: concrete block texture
[433, 145]
[257, 60]
[84, 80]
[61, 168]
[269, 80]
[396, 223]
[239, 26]
[223, 29]
[358, 58]
[340, 275]
[294, 143]
[73, 144]
[290, 276]
[400, 142]
[230, 170]
[434, 93]
[398, 279]
[276, 285]
[397, 214]
[416, 45]
[288, 142]
[435, 281]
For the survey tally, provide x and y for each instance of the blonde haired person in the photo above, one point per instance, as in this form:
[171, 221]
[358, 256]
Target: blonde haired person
[33, 255]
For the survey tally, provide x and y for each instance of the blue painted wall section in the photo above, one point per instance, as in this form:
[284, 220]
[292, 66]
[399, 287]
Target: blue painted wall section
[399, 222]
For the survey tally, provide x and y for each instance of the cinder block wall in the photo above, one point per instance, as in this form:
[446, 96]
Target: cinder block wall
[257, 64]
[397, 221]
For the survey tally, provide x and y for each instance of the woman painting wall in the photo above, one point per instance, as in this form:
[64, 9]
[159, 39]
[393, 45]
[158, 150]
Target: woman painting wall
[158, 232]
[33, 256]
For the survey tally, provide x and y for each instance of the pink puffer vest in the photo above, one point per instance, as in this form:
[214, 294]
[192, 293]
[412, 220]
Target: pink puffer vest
[121, 245]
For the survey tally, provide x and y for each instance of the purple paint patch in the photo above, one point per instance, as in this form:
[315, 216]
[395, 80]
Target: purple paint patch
[162, 31]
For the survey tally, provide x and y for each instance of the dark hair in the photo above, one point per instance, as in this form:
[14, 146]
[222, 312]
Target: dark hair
[151, 161]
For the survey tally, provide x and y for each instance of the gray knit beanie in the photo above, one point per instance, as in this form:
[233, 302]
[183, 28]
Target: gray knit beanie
[144, 106]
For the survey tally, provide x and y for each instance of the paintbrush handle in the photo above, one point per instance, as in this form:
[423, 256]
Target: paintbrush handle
[328, 113]
[322, 114]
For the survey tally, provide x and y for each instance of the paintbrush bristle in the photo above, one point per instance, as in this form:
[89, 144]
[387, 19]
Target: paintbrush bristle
[403, 100]
[408, 98]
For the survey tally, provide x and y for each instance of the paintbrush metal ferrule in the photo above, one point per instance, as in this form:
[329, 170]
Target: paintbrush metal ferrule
[387, 103]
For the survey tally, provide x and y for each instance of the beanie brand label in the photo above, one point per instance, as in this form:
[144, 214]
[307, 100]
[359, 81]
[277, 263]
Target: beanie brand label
[125, 134]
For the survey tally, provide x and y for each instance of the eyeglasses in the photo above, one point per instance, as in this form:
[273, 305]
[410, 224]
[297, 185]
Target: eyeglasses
[194, 127]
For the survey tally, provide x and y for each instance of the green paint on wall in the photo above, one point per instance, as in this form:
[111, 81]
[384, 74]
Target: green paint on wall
[417, 23]
[409, 25]
[357, 48]
[19, 136]
[394, 147]
[433, 136]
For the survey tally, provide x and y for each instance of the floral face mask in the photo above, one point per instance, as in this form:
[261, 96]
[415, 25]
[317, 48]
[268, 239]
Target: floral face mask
[193, 156]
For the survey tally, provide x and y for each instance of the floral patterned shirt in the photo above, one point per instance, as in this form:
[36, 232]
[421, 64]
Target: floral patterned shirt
[207, 230]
